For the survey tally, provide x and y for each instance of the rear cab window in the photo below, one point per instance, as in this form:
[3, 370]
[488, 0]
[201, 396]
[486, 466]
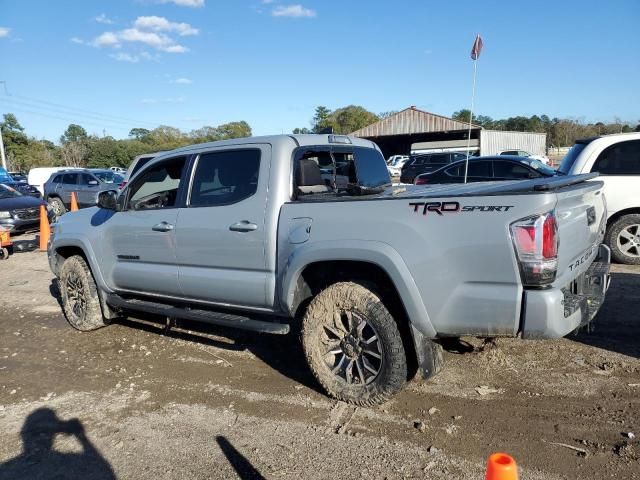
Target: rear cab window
[329, 172]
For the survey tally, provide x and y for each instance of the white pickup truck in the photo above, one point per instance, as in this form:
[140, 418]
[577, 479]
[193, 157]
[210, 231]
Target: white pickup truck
[617, 159]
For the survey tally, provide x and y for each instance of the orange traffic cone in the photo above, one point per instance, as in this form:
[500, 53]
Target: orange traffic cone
[45, 230]
[501, 467]
[74, 202]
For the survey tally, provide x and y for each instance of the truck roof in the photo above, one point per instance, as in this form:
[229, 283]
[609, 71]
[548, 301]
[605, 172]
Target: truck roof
[279, 140]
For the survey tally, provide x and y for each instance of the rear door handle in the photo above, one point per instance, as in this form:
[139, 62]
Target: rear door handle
[243, 226]
[162, 227]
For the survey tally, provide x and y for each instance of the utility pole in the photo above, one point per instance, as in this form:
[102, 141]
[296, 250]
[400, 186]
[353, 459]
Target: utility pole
[4, 157]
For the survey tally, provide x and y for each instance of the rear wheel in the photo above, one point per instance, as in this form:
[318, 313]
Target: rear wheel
[623, 238]
[353, 345]
[79, 293]
[57, 206]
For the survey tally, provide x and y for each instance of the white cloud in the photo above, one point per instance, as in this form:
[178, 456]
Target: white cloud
[182, 81]
[107, 39]
[125, 57]
[175, 49]
[161, 24]
[184, 3]
[102, 18]
[293, 11]
[77, 40]
[268, 2]
[4, 32]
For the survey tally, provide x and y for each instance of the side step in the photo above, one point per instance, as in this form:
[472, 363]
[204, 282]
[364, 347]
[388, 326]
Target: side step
[205, 316]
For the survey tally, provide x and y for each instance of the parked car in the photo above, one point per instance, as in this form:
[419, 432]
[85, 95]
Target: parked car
[137, 163]
[20, 213]
[22, 187]
[488, 169]
[246, 233]
[19, 176]
[86, 183]
[395, 167]
[393, 159]
[427, 162]
[119, 170]
[521, 153]
[39, 175]
[617, 159]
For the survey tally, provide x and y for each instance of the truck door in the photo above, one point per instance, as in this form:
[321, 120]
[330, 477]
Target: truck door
[139, 244]
[221, 232]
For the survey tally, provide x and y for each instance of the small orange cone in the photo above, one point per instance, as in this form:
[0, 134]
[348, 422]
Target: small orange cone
[501, 467]
[45, 230]
[74, 202]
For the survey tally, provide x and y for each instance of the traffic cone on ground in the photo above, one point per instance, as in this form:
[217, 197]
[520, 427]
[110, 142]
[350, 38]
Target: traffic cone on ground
[501, 467]
[74, 202]
[45, 230]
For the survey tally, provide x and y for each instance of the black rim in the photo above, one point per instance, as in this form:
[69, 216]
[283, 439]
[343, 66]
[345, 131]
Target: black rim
[351, 348]
[76, 295]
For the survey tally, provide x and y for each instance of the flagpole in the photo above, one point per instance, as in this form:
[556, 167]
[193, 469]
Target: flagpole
[473, 98]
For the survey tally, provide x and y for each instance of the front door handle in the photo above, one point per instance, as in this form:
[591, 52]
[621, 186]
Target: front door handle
[243, 226]
[162, 227]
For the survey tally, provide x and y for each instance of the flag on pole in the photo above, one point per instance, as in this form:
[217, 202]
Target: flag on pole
[477, 48]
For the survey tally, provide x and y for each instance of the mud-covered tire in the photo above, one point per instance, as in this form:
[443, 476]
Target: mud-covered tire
[58, 207]
[623, 238]
[350, 304]
[79, 294]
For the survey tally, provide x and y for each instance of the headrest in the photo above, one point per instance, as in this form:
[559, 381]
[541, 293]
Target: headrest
[308, 173]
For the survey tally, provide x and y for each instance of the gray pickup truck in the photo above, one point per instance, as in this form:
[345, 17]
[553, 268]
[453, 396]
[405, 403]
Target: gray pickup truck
[306, 231]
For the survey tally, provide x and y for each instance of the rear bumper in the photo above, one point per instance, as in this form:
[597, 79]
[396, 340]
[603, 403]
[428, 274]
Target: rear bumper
[556, 312]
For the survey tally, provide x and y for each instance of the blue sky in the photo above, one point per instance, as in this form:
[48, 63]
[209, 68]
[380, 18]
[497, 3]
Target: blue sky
[187, 63]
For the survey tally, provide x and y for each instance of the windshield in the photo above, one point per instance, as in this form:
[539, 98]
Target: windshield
[109, 177]
[538, 166]
[7, 192]
[4, 176]
[570, 158]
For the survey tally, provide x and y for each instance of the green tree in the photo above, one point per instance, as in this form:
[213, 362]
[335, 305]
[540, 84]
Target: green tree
[320, 119]
[301, 131]
[73, 133]
[139, 133]
[239, 129]
[349, 119]
[106, 152]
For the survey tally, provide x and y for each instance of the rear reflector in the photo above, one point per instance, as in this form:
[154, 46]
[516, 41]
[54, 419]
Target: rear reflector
[536, 243]
[421, 181]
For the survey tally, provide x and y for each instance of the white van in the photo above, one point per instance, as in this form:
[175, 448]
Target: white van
[38, 176]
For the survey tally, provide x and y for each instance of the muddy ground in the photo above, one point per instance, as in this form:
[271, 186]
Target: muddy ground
[128, 401]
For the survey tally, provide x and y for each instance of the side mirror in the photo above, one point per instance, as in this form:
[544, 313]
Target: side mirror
[108, 200]
[92, 183]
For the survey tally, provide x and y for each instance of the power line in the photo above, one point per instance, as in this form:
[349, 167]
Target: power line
[13, 103]
[67, 119]
[74, 110]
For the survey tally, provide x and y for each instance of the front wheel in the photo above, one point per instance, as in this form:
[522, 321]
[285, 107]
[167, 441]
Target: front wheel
[353, 345]
[623, 238]
[79, 293]
[57, 206]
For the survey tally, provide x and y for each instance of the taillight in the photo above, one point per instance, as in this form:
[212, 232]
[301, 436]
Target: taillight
[421, 181]
[536, 242]
[122, 184]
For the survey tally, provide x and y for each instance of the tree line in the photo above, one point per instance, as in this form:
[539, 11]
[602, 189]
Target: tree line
[77, 148]
[561, 132]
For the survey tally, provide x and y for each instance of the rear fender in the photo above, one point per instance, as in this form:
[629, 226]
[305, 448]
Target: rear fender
[378, 253]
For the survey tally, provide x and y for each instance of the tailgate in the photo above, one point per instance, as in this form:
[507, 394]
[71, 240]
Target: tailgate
[581, 216]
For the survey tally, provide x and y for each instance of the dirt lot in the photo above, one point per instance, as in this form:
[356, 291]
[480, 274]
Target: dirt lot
[129, 402]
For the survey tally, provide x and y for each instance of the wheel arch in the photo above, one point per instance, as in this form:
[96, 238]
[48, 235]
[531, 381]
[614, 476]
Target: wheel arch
[369, 261]
[621, 213]
[66, 248]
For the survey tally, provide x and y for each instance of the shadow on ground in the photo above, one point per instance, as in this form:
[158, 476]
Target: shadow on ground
[617, 325]
[39, 460]
[242, 466]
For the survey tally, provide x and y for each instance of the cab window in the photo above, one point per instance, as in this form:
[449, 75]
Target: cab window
[620, 159]
[157, 187]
